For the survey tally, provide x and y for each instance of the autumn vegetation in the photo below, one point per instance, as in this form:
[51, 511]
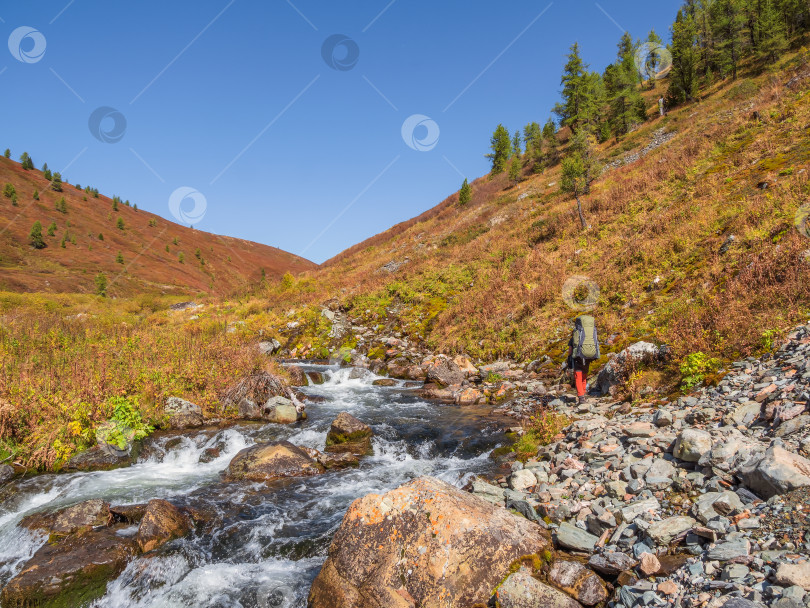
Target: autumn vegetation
[690, 242]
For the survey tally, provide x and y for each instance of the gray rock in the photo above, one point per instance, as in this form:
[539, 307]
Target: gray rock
[487, 491]
[791, 426]
[744, 414]
[578, 581]
[616, 489]
[639, 507]
[777, 471]
[660, 468]
[612, 562]
[183, 414]
[741, 602]
[794, 592]
[734, 572]
[269, 347]
[712, 504]
[691, 444]
[521, 590]
[571, 537]
[662, 532]
[613, 372]
[663, 418]
[6, 473]
[520, 480]
[730, 549]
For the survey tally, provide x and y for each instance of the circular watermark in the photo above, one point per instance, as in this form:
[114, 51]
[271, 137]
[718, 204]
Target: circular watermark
[107, 125]
[340, 52]
[420, 132]
[802, 221]
[188, 216]
[274, 595]
[27, 44]
[580, 293]
[652, 59]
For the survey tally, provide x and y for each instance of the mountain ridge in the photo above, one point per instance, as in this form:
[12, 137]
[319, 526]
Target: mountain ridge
[156, 255]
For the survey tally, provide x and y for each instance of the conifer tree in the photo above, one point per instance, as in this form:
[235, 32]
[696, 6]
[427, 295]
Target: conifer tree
[46, 173]
[465, 193]
[37, 242]
[533, 142]
[119, 258]
[770, 30]
[575, 90]
[579, 168]
[36, 194]
[501, 146]
[728, 23]
[7, 153]
[120, 223]
[653, 63]
[514, 169]
[683, 76]
[627, 106]
[26, 162]
[101, 285]
[52, 229]
[56, 182]
[516, 144]
[550, 142]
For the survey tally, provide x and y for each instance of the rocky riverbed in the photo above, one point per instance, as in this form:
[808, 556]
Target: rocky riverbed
[697, 502]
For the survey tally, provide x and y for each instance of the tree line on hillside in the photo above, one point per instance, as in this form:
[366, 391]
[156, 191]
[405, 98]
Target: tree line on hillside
[55, 179]
[709, 41]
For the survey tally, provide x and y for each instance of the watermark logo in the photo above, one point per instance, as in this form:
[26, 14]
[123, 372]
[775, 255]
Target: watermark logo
[580, 293]
[802, 221]
[340, 52]
[107, 125]
[274, 595]
[652, 59]
[27, 44]
[420, 132]
[188, 216]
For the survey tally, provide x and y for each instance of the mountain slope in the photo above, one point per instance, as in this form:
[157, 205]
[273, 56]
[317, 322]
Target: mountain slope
[691, 242]
[150, 246]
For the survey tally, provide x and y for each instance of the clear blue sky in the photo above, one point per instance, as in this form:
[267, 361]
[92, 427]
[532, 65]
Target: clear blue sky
[234, 98]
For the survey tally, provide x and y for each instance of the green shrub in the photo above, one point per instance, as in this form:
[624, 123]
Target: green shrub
[694, 368]
[125, 424]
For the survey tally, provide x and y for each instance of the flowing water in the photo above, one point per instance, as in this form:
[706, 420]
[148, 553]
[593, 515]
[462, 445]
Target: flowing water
[268, 541]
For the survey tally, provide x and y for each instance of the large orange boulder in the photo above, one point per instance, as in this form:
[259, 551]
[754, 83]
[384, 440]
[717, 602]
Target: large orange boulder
[424, 544]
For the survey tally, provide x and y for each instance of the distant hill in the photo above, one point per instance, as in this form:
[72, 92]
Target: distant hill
[151, 247]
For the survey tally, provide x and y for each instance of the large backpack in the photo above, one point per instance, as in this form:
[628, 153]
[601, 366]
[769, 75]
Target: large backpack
[586, 342]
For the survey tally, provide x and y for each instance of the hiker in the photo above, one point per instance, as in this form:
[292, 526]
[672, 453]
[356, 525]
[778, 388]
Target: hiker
[583, 347]
[661, 106]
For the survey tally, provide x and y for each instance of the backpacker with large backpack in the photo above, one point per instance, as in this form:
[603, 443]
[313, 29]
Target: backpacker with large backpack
[586, 341]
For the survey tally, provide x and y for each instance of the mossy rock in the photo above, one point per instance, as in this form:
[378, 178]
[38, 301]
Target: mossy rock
[348, 434]
[70, 572]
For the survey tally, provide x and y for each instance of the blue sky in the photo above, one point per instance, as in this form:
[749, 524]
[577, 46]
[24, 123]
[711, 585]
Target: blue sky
[237, 100]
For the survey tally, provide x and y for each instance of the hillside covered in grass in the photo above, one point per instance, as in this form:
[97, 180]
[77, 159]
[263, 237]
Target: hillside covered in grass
[84, 234]
[693, 237]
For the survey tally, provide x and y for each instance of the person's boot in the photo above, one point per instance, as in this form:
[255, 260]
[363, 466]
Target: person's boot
[581, 400]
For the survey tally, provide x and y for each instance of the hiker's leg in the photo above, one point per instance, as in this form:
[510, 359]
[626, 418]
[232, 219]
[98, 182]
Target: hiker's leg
[579, 377]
